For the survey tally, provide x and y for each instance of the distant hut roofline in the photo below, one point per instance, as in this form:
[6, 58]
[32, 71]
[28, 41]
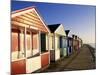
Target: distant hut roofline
[67, 32]
[53, 27]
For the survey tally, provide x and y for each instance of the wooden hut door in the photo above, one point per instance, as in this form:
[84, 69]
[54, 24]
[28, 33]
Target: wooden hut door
[43, 42]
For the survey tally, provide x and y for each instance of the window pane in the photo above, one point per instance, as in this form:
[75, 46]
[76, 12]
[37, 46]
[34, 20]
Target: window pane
[14, 41]
[35, 40]
[28, 41]
[14, 45]
[60, 42]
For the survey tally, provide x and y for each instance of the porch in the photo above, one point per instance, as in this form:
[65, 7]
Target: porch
[28, 51]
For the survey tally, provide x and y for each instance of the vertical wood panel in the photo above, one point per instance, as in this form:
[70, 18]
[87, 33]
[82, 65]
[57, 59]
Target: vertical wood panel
[18, 67]
[45, 59]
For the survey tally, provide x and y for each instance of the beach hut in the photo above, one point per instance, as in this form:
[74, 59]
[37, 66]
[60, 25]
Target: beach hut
[73, 36]
[75, 42]
[80, 42]
[29, 41]
[57, 42]
[69, 43]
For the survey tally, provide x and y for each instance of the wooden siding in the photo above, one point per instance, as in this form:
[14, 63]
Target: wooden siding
[18, 67]
[29, 19]
[57, 54]
[60, 30]
[56, 42]
[45, 59]
[51, 42]
[33, 64]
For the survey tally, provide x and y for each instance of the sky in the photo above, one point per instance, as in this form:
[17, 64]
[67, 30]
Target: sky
[79, 19]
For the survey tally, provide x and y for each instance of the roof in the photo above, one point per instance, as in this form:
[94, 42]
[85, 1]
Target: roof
[67, 31]
[70, 38]
[23, 9]
[53, 27]
[29, 11]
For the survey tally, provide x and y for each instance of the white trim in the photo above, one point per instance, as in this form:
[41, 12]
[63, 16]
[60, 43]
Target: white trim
[14, 14]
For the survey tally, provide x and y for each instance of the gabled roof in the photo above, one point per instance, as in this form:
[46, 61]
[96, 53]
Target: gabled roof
[67, 31]
[29, 16]
[53, 27]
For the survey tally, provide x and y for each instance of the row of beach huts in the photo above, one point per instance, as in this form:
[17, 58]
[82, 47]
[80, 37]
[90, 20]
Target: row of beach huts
[35, 45]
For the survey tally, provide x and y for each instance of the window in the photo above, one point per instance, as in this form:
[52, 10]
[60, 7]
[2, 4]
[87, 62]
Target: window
[34, 41]
[35, 44]
[17, 44]
[14, 41]
[60, 42]
[64, 42]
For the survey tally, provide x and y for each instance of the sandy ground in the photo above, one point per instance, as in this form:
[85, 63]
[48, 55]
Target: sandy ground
[80, 60]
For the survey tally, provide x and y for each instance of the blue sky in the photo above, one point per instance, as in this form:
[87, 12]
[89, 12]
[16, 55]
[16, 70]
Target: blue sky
[80, 19]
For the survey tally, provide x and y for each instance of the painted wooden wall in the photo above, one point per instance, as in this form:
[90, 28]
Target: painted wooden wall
[60, 30]
[45, 59]
[57, 54]
[54, 52]
[30, 19]
[18, 67]
[33, 64]
[51, 41]
[57, 49]
[14, 45]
